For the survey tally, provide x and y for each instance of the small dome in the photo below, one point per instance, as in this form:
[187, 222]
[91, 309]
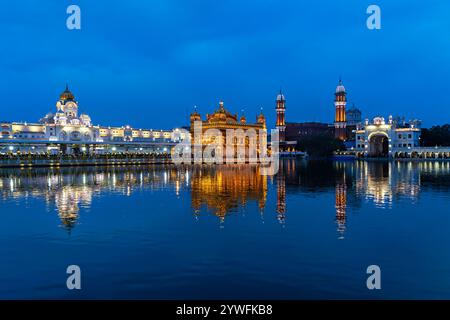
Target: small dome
[85, 116]
[378, 121]
[261, 118]
[280, 96]
[195, 116]
[221, 107]
[66, 94]
[353, 109]
[195, 113]
[49, 118]
[340, 88]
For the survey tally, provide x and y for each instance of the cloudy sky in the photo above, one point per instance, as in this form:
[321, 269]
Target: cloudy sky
[147, 63]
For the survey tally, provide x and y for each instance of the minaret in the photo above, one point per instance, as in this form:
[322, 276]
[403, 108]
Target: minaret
[281, 108]
[340, 122]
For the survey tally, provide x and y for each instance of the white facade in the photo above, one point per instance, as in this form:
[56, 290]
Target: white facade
[67, 126]
[380, 138]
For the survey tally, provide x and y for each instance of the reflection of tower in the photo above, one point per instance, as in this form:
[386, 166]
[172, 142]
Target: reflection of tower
[341, 206]
[340, 102]
[281, 195]
[281, 108]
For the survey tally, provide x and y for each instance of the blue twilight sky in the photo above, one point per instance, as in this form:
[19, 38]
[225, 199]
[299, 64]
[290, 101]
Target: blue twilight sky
[147, 63]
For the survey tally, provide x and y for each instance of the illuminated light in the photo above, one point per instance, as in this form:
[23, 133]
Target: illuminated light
[113, 148]
[11, 148]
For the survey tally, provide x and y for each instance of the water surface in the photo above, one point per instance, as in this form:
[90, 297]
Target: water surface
[166, 232]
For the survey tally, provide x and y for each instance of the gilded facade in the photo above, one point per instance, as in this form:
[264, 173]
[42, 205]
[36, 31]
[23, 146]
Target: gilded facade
[214, 129]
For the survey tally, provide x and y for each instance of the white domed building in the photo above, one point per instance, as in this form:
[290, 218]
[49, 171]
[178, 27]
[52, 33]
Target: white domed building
[66, 130]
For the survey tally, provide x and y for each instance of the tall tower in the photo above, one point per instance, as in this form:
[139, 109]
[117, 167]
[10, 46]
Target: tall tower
[281, 108]
[340, 122]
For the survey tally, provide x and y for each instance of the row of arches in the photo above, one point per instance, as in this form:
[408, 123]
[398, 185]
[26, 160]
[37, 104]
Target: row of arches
[423, 155]
[75, 136]
[414, 155]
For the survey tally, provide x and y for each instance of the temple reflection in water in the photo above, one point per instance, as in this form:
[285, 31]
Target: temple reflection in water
[224, 190]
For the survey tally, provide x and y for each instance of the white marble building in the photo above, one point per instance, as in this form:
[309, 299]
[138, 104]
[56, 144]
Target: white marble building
[384, 139]
[67, 127]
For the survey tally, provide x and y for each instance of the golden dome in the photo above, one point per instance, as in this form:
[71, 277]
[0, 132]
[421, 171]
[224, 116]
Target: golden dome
[222, 115]
[66, 94]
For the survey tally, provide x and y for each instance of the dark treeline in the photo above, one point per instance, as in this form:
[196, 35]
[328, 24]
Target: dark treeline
[320, 145]
[436, 136]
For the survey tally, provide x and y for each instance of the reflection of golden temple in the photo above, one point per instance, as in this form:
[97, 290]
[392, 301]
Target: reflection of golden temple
[225, 188]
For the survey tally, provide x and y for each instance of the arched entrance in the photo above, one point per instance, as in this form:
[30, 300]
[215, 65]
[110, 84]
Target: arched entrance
[378, 145]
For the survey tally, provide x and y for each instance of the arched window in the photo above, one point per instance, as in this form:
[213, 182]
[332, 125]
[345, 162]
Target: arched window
[87, 137]
[63, 136]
